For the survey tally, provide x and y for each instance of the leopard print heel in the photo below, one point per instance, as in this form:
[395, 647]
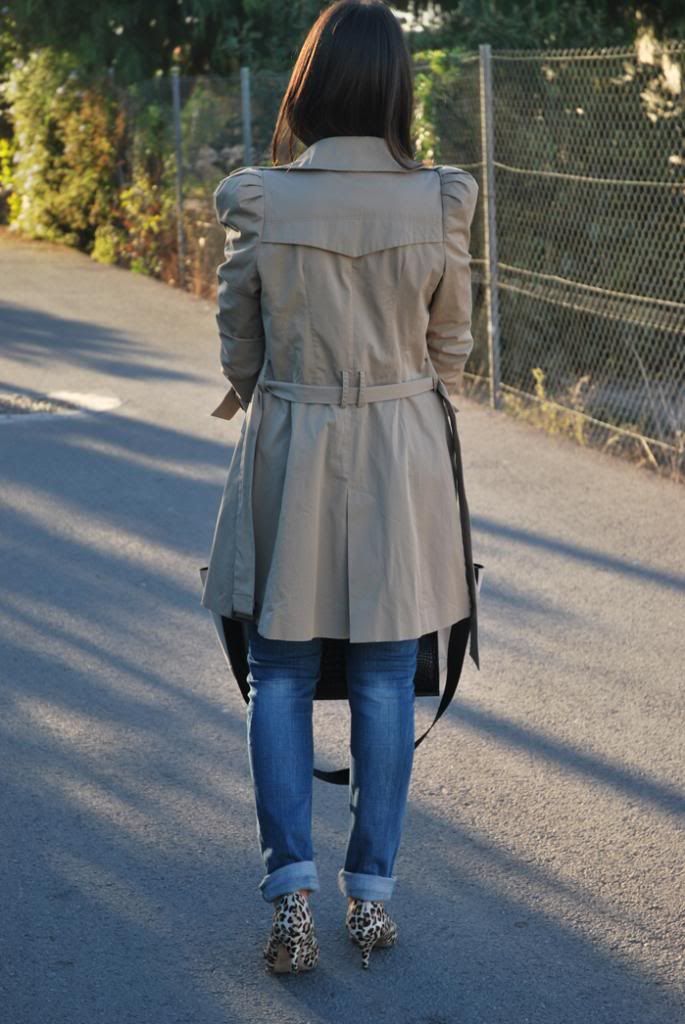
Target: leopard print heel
[369, 925]
[292, 945]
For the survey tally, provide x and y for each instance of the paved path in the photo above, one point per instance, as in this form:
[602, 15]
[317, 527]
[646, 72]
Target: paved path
[541, 873]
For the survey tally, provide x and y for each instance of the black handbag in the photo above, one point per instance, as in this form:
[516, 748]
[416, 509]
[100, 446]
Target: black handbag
[332, 682]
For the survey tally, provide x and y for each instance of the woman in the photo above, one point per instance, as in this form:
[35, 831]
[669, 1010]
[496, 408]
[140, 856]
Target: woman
[344, 305]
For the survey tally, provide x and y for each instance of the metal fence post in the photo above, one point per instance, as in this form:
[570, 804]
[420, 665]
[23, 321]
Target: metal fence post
[246, 112]
[490, 221]
[176, 96]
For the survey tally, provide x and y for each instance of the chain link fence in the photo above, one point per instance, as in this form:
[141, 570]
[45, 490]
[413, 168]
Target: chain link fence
[588, 185]
[578, 240]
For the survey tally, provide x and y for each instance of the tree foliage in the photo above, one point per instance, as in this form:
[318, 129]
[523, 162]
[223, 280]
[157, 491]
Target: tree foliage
[137, 40]
[66, 132]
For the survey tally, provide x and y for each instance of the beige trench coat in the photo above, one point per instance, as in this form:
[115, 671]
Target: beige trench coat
[340, 517]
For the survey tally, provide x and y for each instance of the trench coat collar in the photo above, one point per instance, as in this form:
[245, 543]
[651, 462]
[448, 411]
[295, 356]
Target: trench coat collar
[348, 153]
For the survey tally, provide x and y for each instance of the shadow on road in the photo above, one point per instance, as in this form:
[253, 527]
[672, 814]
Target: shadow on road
[128, 839]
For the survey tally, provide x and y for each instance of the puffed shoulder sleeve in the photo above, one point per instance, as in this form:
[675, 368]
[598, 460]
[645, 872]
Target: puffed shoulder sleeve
[239, 207]
[449, 335]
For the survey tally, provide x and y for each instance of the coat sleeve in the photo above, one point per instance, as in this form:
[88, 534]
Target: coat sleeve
[449, 335]
[239, 207]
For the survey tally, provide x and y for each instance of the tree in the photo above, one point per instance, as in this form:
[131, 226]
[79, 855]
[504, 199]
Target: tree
[135, 41]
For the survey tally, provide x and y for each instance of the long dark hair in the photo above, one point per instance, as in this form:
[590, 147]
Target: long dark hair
[352, 76]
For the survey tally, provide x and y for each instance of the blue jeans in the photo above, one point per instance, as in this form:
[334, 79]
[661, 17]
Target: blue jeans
[282, 677]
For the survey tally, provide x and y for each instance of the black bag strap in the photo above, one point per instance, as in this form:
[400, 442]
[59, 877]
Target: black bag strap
[465, 518]
[456, 651]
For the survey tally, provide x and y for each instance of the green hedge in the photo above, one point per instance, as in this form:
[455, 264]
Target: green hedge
[85, 168]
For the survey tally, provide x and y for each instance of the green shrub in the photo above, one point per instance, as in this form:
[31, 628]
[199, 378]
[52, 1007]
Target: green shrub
[8, 197]
[107, 244]
[442, 116]
[67, 133]
[147, 214]
[92, 168]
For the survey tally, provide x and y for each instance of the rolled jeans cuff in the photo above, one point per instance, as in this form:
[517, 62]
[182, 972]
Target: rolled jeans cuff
[302, 874]
[365, 887]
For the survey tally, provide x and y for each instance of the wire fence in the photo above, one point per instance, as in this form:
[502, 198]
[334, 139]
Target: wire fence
[587, 170]
[578, 242]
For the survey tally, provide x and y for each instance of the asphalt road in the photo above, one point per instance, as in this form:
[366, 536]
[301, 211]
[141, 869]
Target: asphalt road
[541, 875]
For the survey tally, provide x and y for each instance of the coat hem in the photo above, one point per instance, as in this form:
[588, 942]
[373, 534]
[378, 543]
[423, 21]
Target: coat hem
[429, 624]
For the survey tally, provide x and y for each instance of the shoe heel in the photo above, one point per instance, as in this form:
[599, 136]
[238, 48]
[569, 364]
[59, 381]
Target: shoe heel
[366, 948]
[368, 925]
[289, 954]
[292, 945]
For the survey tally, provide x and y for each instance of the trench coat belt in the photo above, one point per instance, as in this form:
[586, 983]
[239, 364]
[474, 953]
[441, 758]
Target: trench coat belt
[342, 394]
